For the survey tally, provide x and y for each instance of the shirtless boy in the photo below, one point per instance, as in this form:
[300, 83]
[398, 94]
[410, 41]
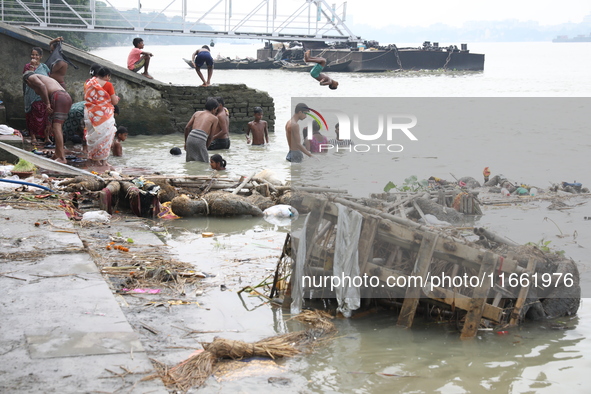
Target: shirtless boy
[200, 56]
[260, 133]
[120, 136]
[199, 130]
[138, 58]
[58, 103]
[292, 132]
[316, 71]
[221, 138]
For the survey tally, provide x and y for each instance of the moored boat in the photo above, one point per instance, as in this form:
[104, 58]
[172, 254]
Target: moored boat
[243, 64]
[338, 66]
[307, 67]
[372, 57]
[579, 38]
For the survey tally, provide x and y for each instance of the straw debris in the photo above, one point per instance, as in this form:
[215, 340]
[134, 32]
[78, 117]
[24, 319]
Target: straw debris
[196, 369]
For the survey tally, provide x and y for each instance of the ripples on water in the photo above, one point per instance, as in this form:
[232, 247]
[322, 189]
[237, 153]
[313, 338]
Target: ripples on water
[531, 358]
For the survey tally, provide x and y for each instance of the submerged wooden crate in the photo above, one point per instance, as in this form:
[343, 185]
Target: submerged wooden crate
[393, 247]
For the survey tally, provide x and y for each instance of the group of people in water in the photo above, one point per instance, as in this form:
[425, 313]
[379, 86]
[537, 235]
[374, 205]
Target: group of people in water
[209, 130]
[200, 131]
[51, 113]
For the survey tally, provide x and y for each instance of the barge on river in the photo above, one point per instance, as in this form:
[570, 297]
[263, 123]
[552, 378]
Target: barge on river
[376, 58]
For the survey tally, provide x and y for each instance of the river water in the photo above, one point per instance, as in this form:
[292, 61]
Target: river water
[531, 358]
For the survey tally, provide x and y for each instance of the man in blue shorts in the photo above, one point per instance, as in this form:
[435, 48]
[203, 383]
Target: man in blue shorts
[201, 56]
[316, 71]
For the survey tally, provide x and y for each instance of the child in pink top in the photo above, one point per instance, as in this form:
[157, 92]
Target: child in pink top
[138, 58]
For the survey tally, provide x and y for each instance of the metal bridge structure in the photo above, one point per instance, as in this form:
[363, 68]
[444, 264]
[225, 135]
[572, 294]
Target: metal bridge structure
[277, 20]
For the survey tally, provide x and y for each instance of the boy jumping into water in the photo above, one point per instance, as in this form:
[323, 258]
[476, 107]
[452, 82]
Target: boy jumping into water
[316, 71]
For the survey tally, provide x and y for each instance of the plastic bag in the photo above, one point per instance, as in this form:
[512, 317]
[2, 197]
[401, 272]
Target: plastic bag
[282, 211]
[96, 217]
[5, 186]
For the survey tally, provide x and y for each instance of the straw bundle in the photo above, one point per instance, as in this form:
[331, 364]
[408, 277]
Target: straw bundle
[189, 373]
[196, 369]
[274, 347]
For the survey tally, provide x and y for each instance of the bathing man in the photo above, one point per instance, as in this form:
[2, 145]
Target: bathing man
[221, 138]
[199, 131]
[292, 131]
[58, 103]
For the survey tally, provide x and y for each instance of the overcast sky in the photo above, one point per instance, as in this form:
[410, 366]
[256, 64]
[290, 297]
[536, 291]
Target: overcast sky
[381, 13]
[456, 12]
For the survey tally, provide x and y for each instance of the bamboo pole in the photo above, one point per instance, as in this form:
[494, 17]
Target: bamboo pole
[244, 182]
[495, 237]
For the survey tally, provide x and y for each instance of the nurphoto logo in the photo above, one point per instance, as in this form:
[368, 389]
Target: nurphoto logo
[390, 127]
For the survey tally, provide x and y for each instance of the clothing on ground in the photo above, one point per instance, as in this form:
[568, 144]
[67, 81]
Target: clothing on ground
[197, 146]
[220, 143]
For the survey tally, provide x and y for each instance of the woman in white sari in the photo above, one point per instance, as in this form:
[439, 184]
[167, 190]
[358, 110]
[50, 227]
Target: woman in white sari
[99, 97]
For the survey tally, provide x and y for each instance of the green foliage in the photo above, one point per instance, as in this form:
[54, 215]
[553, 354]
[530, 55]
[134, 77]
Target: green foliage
[217, 245]
[23, 166]
[544, 246]
[411, 184]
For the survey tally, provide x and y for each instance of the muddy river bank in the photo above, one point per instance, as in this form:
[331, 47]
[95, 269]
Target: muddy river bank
[369, 353]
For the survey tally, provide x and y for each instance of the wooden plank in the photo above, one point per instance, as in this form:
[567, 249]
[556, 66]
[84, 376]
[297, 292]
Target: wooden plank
[531, 268]
[369, 228]
[314, 218]
[392, 257]
[479, 297]
[421, 268]
[461, 301]
[438, 294]
[405, 236]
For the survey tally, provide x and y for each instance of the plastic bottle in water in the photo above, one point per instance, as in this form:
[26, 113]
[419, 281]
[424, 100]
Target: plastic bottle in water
[533, 191]
[505, 192]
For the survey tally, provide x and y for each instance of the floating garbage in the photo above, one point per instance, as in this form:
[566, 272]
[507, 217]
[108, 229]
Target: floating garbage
[281, 211]
[280, 215]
